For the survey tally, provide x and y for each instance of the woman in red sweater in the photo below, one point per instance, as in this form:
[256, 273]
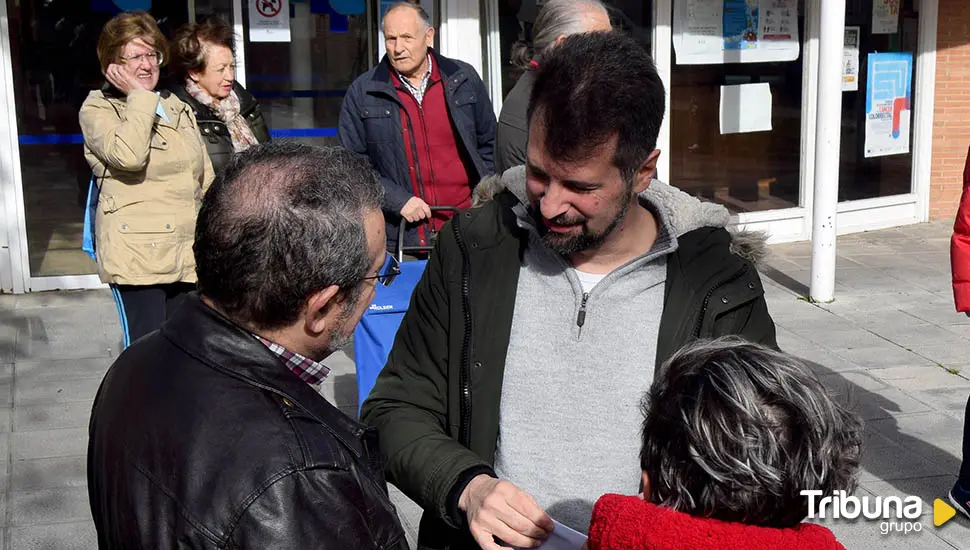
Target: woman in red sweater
[733, 433]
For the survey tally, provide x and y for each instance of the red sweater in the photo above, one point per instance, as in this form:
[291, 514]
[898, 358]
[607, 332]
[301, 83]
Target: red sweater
[630, 523]
[438, 174]
[960, 246]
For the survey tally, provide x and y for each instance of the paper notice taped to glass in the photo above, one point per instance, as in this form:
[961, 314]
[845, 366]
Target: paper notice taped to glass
[745, 108]
[563, 538]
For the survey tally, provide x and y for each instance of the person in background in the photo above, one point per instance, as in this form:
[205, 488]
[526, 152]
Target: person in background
[151, 169]
[556, 20]
[212, 432]
[733, 433]
[426, 123]
[960, 267]
[205, 78]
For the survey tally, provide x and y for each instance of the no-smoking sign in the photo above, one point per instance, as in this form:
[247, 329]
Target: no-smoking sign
[269, 8]
[269, 20]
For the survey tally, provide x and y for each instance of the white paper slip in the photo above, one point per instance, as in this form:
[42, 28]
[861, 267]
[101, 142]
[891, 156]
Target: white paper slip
[563, 538]
[745, 108]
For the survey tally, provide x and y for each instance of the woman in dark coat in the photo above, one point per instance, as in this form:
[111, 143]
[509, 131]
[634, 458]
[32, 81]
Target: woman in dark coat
[204, 68]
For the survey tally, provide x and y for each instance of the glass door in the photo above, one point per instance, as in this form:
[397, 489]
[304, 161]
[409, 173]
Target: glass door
[748, 166]
[878, 171]
[300, 82]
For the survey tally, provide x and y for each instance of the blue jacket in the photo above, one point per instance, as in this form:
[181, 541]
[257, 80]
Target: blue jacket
[370, 124]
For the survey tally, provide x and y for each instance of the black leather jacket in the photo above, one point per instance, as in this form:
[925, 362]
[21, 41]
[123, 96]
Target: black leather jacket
[215, 134]
[201, 438]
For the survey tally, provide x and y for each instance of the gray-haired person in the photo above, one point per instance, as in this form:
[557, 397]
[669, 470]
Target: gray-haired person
[556, 20]
[734, 432]
[211, 433]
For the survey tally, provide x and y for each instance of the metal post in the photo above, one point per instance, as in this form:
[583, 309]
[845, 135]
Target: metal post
[301, 64]
[662, 36]
[828, 132]
[239, 35]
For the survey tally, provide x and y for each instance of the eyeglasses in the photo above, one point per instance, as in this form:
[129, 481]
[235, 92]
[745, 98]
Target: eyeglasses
[153, 58]
[388, 272]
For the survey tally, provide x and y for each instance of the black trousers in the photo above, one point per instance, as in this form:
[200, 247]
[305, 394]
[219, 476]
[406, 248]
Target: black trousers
[965, 467]
[146, 307]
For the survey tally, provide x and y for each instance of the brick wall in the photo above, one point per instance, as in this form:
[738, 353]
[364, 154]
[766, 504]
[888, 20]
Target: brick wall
[951, 131]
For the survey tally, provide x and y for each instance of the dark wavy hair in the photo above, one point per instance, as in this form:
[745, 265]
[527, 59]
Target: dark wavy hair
[282, 221]
[595, 86]
[735, 431]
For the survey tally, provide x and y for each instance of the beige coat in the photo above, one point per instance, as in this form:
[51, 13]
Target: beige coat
[152, 175]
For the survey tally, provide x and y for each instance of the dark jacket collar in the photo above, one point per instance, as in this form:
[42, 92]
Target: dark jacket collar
[220, 344]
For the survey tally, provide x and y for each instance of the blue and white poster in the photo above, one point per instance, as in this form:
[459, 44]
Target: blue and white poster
[889, 112]
[735, 31]
[740, 24]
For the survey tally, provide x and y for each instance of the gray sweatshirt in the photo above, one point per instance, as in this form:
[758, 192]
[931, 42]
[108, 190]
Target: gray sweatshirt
[569, 427]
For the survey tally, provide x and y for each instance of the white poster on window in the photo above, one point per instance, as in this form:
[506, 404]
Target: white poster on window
[735, 31]
[850, 60]
[269, 20]
[885, 16]
[745, 108]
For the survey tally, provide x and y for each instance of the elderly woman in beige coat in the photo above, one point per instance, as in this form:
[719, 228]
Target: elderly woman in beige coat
[151, 168]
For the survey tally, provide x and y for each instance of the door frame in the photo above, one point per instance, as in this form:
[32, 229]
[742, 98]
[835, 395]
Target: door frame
[15, 261]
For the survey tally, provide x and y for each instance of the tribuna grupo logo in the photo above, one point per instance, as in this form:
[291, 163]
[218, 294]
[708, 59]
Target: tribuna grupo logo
[896, 514]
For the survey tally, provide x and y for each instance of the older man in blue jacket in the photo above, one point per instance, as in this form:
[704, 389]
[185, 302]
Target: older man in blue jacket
[426, 123]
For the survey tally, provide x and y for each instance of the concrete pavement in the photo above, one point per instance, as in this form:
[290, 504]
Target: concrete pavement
[890, 345]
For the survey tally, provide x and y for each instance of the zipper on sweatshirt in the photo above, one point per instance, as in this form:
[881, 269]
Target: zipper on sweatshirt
[581, 316]
[464, 375]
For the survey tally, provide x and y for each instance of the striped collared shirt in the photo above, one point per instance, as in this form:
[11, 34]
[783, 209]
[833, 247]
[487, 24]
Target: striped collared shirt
[307, 369]
[418, 91]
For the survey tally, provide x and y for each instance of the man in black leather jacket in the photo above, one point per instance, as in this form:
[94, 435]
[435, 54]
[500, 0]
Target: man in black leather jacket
[211, 433]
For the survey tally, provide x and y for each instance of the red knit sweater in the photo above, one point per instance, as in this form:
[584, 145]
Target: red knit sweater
[630, 523]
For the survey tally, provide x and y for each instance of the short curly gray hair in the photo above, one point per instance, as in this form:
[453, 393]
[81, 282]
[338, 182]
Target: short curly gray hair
[735, 431]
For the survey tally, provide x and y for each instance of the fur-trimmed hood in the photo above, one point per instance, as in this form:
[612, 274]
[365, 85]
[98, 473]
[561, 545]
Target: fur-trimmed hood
[683, 212]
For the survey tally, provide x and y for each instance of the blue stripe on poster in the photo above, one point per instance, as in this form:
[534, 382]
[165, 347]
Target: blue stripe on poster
[72, 139]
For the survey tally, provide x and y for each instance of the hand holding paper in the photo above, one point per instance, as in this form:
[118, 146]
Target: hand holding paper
[497, 508]
[564, 538]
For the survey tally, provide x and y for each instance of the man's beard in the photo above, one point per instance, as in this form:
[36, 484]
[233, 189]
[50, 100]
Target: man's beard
[339, 340]
[567, 244]
[341, 335]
